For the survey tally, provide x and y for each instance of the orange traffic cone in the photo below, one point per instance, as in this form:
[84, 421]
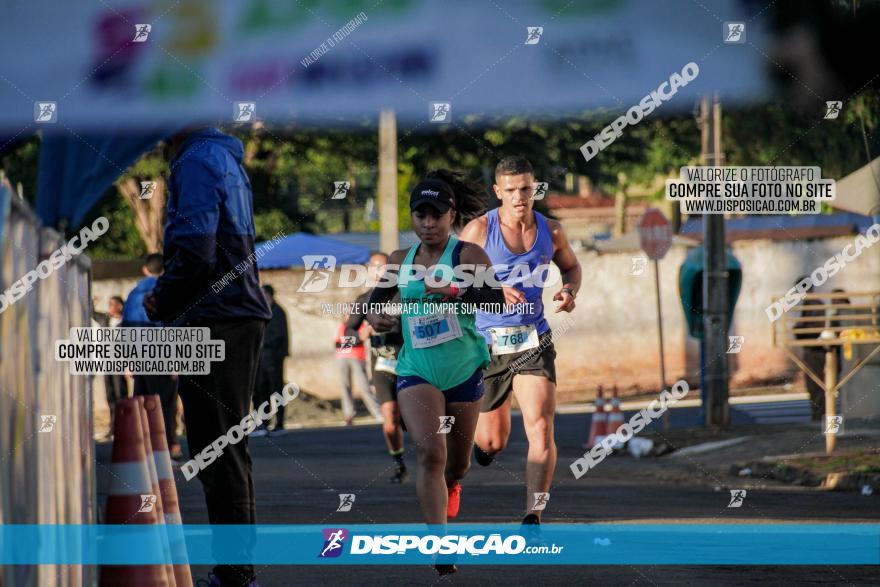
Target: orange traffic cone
[131, 498]
[615, 417]
[154, 482]
[167, 488]
[599, 423]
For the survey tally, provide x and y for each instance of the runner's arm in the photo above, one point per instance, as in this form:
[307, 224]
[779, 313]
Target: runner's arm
[473, 255]
[486, 294]
[358, 315]
[569, 267]
[382, 295]
[475, 231]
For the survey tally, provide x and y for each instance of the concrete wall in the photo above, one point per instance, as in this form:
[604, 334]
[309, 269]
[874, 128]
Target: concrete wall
[611, 336]
[860, 397]
[615, 339]
[771, 268]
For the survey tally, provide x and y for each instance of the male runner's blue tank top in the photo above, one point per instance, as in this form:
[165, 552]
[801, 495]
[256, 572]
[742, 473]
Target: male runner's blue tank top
[515, 274]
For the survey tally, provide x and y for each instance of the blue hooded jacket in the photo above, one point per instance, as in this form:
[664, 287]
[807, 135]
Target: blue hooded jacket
[210, 265]
[133, 313]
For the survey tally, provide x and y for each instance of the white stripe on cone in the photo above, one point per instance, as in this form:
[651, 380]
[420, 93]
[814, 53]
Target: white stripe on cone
[162, 458]
[129, 479]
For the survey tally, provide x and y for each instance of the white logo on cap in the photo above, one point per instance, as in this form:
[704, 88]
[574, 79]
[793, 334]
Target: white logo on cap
[430, 193]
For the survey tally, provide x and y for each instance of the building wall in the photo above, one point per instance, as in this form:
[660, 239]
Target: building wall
[769, 269]
[611, 337]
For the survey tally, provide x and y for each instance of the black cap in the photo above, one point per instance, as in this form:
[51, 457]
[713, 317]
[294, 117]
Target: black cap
[433, 192]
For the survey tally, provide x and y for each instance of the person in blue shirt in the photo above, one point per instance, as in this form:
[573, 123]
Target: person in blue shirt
[211, 280]
[134, 314]
[163, 385]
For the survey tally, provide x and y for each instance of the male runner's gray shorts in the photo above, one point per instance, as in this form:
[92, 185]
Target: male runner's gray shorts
[498, 376]
[386, 386]
[384, 383]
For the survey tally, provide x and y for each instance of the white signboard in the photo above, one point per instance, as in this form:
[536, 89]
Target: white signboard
[149, 62]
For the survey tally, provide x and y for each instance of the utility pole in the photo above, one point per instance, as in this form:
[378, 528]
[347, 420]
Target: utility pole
[675, 215]
[715, 300]
[388, 229]
[620, 201]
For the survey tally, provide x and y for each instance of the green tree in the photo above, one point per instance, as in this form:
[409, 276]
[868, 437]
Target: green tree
[292, 168]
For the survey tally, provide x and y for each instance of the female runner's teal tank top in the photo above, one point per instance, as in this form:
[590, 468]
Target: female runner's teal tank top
[441, 345]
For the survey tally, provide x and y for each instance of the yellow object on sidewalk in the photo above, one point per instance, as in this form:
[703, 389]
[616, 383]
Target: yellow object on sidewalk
[855, 334]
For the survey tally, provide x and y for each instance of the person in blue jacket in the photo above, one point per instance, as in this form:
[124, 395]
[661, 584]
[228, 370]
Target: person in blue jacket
[211, 280]
[163, 385]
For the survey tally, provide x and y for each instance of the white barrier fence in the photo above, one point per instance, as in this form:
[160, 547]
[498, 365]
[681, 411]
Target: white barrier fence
[47, 471]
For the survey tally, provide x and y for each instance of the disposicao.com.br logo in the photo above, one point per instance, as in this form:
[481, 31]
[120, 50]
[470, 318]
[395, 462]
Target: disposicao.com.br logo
[334, 541]
[319, 269]
[430, 544]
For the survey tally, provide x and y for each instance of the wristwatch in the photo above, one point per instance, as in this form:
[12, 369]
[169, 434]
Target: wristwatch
[570, 291]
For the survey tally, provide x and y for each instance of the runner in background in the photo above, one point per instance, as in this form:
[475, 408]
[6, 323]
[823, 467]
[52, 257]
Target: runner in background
[384, 347]
[522, 346]
[440, 365]
[351, 357]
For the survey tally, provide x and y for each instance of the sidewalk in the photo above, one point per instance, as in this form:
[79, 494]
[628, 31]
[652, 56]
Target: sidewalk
[719, 465]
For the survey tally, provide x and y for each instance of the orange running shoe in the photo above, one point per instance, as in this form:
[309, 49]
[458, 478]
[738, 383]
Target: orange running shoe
[454, 500]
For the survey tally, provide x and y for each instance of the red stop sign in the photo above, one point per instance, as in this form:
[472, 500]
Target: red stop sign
[655, 233]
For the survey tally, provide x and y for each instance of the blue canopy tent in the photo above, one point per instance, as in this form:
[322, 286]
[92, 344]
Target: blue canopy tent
[290, 251]
[72, 180]
[76, 169]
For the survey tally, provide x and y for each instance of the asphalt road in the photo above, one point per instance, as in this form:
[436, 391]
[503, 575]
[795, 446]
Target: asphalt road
[298, 478]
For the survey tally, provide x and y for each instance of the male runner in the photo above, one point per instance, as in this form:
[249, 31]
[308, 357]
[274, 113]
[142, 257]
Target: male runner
[521, 343]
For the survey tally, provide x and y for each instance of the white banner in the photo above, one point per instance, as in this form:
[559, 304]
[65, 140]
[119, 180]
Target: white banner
[143, 63]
